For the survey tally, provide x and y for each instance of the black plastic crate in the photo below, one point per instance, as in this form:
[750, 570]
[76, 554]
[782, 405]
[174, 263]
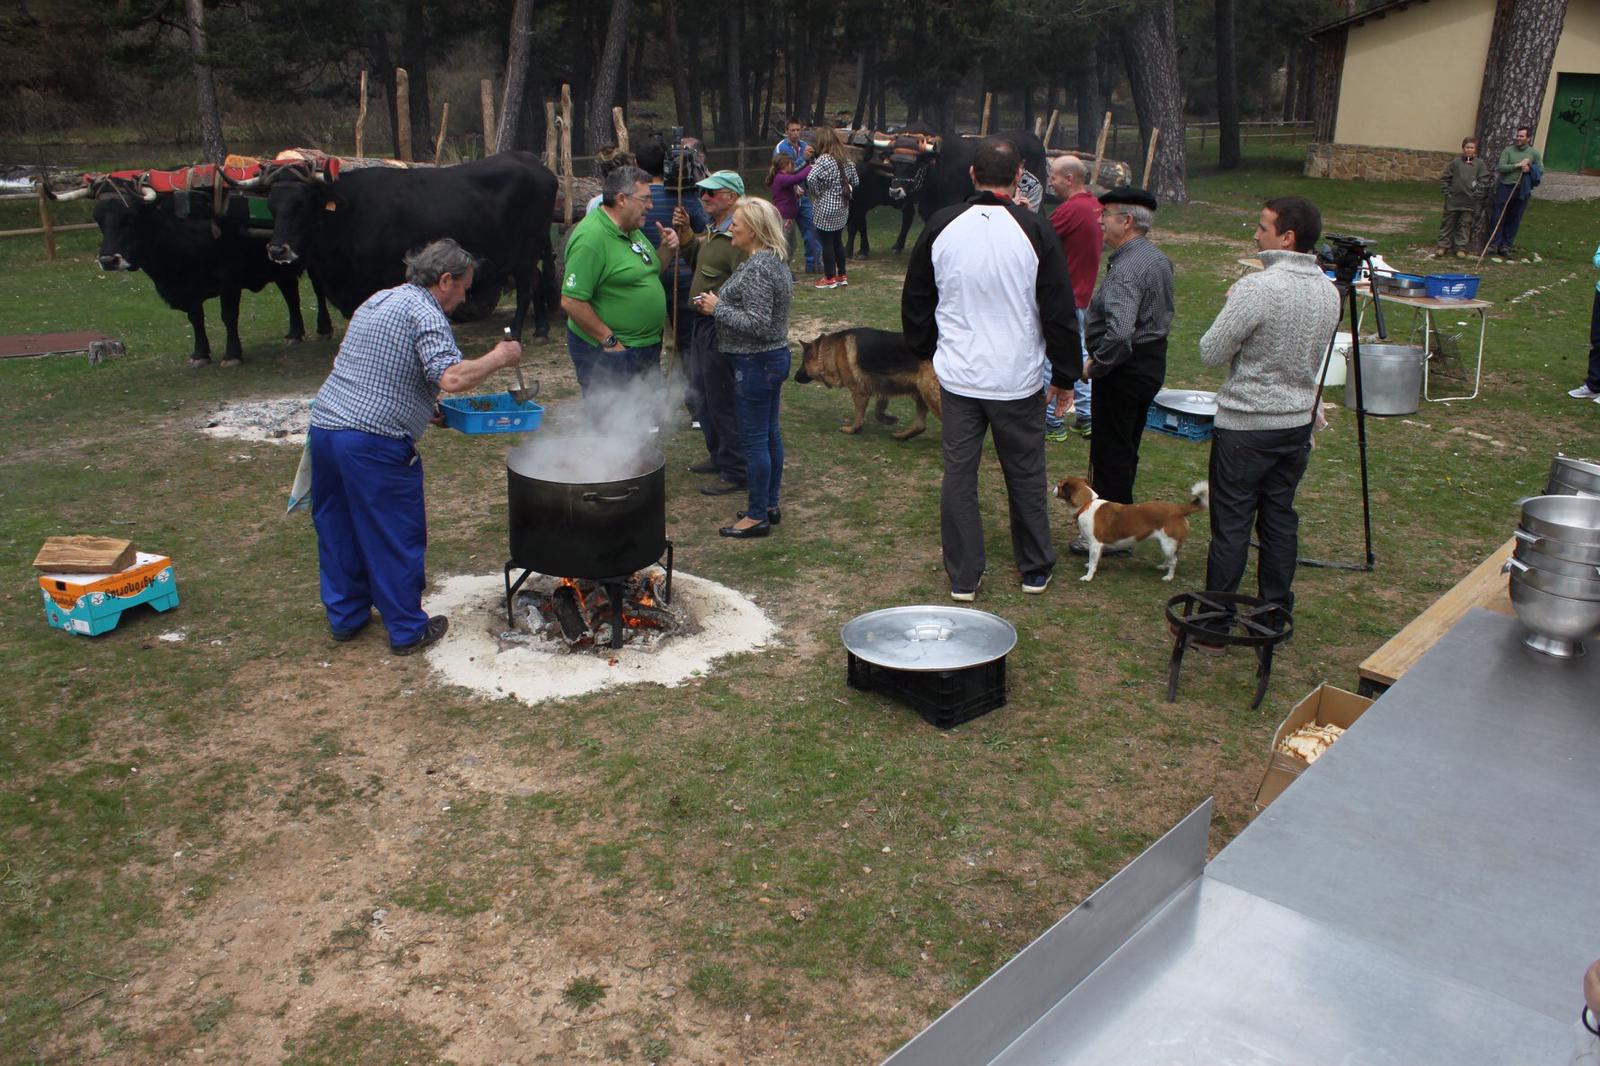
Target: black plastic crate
[945, 698]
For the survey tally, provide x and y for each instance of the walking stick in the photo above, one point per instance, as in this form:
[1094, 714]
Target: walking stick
[1514, 194]
[677, 268]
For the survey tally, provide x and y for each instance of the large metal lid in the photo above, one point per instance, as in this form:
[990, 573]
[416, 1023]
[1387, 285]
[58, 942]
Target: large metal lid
[1188, 401]
[928, 638]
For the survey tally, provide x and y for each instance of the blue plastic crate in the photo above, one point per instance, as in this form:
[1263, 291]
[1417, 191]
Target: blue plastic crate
[495, 412]
[1452, 286]
[1178, 423]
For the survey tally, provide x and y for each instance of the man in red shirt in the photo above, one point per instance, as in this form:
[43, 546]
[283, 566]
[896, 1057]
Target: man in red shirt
[1077, 223]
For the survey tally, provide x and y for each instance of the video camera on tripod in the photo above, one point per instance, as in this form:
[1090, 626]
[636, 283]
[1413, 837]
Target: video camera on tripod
[682, 164]
[1345, 256]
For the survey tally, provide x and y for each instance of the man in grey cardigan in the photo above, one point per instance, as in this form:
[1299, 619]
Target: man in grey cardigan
[1272, 335]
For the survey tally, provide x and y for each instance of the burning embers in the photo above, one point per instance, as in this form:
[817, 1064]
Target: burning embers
[579, 613]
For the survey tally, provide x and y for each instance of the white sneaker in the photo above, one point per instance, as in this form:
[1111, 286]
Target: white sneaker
[1583, 392]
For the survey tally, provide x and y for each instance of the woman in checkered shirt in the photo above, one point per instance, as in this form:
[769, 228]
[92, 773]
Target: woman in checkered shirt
[829, 184]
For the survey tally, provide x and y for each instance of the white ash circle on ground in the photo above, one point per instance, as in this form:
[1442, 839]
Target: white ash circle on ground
[285, 420]
[475, 655]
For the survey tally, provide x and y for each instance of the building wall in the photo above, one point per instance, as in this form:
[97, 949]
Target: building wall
[1360, 162]
[1578, 52]
[1412, 78]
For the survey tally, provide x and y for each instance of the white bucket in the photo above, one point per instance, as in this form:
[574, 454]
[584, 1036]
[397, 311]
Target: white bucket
[1334, 376]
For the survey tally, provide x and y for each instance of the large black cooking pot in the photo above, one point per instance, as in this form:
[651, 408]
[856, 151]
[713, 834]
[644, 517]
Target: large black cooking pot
[582, 508]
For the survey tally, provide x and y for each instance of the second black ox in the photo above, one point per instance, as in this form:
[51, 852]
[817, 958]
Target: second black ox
[354, 231]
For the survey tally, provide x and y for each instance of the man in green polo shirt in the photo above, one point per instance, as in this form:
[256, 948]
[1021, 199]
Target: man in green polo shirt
[711, 389]
[611, 290]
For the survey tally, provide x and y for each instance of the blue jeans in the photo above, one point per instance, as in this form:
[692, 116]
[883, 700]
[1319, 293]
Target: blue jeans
[598, 368]
[372, 531]
[757, 379]
[1083, 390]
[808, 234]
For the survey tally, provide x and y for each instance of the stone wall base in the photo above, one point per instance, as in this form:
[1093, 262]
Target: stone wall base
[1361, 162]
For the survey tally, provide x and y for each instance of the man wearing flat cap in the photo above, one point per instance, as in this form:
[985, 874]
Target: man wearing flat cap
[1125, 329]
[711, 397]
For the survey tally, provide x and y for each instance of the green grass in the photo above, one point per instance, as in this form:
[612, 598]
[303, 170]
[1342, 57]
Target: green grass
[775, 838]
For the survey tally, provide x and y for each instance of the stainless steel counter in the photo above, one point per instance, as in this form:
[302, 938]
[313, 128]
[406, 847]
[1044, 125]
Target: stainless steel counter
[1428, 892]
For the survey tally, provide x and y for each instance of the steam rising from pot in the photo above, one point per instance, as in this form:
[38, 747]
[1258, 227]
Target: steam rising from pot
[612, 440]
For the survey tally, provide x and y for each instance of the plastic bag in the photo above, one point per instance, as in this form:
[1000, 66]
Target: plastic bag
[300, 491]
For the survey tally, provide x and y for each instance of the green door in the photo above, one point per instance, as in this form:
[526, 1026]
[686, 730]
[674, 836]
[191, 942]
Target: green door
[1573, 143]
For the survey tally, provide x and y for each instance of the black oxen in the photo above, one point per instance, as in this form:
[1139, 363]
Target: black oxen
[874, 192]
[355, 230]
[931, 180]
[189, 262]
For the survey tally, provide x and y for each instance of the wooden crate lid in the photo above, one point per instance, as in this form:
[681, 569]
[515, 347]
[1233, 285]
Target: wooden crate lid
[84, 555]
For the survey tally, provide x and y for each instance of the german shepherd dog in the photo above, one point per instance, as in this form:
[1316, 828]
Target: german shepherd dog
[871, 363]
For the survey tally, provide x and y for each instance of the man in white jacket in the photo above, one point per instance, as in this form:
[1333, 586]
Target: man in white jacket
[987, 297]
[1272, 335]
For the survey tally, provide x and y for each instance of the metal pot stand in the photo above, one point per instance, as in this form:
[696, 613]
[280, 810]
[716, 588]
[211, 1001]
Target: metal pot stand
[1231, 619]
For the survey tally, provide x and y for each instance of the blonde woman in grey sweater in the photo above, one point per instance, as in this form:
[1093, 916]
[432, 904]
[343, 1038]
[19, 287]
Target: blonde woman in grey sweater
[1272, 335]
[752, 314]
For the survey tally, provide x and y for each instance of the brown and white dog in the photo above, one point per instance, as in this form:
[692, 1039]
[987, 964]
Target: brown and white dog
[1122, 525]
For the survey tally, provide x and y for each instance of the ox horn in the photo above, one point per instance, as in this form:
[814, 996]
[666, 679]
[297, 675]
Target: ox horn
[147, 194]
[70, 194]
[257, 182]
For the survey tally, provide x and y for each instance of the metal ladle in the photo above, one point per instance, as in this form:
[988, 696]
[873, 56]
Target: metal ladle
[521, 394]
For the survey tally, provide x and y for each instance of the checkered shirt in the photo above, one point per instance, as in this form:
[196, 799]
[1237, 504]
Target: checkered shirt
[385, 379]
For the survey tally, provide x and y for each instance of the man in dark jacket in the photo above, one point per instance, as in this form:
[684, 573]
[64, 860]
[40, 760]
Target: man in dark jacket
[987, 297]
[1126, 331]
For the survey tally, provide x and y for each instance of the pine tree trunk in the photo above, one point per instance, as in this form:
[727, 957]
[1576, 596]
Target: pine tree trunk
[1330, 67]
[733, 110]
[1086, 87]
[1522, 46]
[863, 87]
[519, 45]
[681, 97]
[1227, 88]
[414, 57]
[1151, 55]
[205, 86]
[603, 91]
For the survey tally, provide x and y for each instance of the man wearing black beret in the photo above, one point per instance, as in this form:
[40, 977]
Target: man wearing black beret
[1125, 329]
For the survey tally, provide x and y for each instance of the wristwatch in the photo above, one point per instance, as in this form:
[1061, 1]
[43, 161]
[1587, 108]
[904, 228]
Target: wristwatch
[610, 342]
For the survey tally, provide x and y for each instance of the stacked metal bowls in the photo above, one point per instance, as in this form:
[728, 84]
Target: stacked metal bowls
[1555, 572]
[1573, 477]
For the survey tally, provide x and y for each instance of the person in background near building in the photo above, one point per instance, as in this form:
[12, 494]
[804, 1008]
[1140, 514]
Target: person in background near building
[612, 290]
[752, 315]
[802, 153]
[366, 476]
[714, 257]
[1125, 329]
[1521, 168]
[833, 177]
[988, 298]
[663, 199]
[1077, 222]
[788, 184]
[1271, 336]
[1590, 389]
[1466, 184]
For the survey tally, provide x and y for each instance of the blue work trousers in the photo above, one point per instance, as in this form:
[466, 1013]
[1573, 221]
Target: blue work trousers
[758, 380]
[372, 530]
[808, 234]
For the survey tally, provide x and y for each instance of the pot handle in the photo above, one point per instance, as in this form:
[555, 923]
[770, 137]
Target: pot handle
[1526, 537]
[1514, 564]
[595, 497]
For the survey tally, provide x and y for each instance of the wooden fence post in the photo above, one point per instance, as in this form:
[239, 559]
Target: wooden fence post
[402, 113]
[444, 120]
[48, 228]
[566, 150]
[550, 135]
[621, 129]
[1050, 127]
[1100, 150]
[361, 116]
[486, 95]
[1150, 157]
[983, 126]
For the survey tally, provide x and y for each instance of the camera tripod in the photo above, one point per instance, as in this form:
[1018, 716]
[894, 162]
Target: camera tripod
[1347, 256]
